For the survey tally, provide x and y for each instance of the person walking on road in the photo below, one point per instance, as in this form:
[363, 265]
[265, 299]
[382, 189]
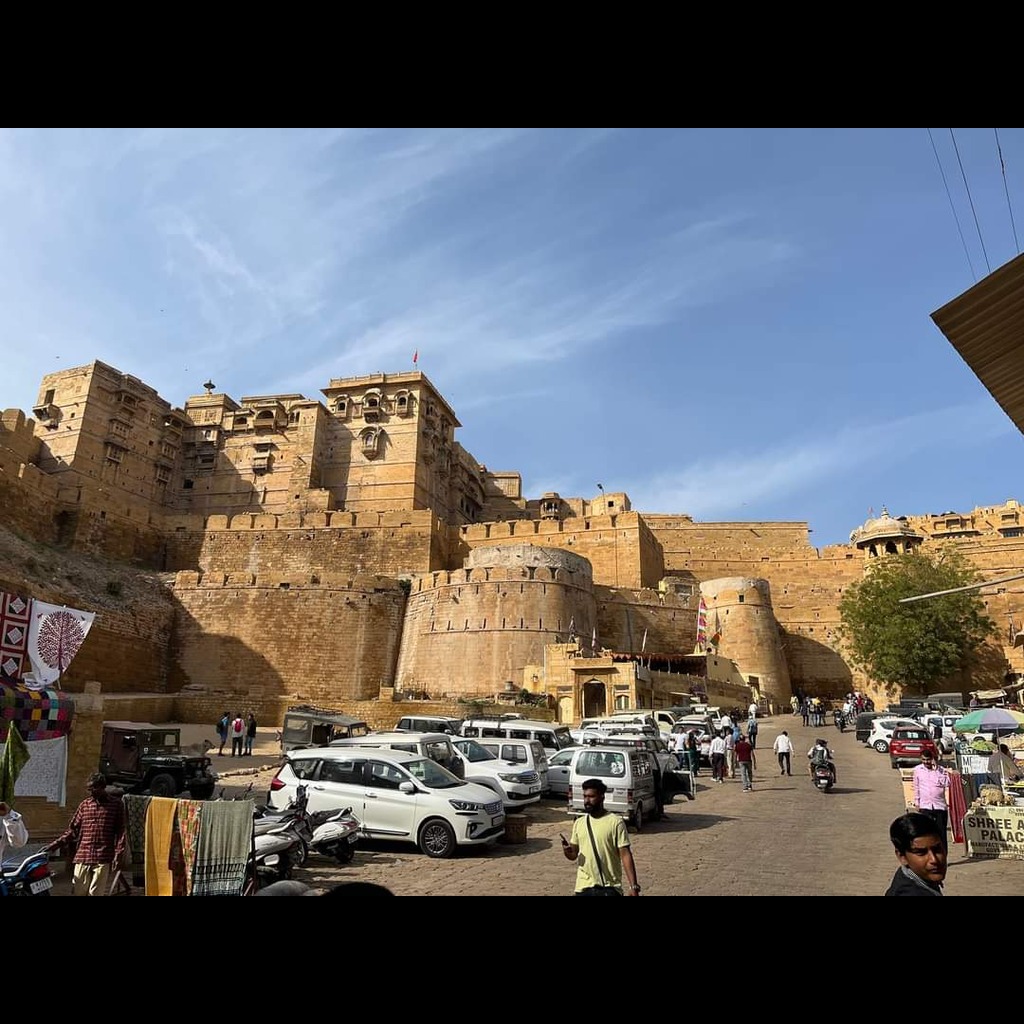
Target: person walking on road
[805, 711]
[600, 847]
[921, 852]
[747, 761]
[730, 751]
[718, 758]
[693, 752]
[783, 747]
[752, 732]
[97, 830]
[931, 791]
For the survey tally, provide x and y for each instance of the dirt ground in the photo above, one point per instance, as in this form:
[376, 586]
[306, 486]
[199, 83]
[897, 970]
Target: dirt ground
[783, 839]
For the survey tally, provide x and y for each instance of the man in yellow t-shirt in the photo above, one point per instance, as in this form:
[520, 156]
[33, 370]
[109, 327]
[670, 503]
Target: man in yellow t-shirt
[601, 863]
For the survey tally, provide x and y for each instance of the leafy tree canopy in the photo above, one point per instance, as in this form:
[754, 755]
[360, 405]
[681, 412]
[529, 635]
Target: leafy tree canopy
[914, 646]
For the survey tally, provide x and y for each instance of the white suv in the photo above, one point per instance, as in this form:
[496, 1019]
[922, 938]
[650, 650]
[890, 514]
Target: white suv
[396, 795]
[882, 730]
[515, 782]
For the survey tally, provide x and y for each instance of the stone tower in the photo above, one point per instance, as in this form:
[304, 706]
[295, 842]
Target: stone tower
[472, 630]
[740, 609]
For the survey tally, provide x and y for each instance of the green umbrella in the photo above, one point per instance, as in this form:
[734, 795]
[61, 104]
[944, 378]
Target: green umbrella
[989, 720]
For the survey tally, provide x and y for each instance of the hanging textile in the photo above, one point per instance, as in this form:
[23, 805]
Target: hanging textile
[225, 842]
[135, 808]
[39, 714]
[957, 807]
[14, 759]
[14, 623]
[190, 818]
[159, 840]
[55, 636]
[46, 773]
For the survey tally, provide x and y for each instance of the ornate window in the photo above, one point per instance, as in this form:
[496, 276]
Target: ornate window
[371, 406]
[341, 405]
[370, 442]
[403, 403]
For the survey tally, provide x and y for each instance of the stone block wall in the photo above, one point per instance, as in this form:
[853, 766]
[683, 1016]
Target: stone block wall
[284, 635]
[623, 616]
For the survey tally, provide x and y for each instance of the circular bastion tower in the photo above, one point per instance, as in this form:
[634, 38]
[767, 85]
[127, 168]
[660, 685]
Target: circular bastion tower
[471, 631]
[739, 608]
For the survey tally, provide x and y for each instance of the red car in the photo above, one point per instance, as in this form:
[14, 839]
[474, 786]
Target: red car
[908, 744]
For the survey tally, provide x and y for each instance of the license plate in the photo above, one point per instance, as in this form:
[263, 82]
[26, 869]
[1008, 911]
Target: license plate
[41, 886]
[497, 819]
[534, 789]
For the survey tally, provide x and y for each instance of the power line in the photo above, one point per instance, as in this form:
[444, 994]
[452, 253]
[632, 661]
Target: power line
[970, 199]
[1002, 165]
[945, 185]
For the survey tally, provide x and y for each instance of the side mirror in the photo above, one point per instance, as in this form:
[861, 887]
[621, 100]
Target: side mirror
[406, 787]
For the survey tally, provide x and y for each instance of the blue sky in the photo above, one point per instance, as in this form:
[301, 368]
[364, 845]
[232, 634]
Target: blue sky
[729, 323]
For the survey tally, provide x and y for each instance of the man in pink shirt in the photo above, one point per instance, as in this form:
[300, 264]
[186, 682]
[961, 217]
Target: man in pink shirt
[931, 791]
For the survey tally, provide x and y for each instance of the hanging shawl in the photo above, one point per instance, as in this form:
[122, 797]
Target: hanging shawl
[225, 842]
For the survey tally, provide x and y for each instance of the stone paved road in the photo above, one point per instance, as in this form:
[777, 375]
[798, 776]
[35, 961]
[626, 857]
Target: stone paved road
[783, 839]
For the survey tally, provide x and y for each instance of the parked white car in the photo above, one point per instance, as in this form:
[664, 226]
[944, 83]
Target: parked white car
[882, 729]
[396, 795]
[559, 767]
[517, 783]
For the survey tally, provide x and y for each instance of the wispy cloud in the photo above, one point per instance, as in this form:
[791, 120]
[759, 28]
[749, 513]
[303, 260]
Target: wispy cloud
[722, 485]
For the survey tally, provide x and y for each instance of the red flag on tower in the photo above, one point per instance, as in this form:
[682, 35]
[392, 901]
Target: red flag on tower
[415, 357]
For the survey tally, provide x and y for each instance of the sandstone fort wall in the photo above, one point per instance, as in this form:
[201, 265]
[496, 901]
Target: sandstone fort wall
[281, 634]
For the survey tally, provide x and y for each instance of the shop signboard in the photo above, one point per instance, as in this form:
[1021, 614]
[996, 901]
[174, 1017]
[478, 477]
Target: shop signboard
[995, 832]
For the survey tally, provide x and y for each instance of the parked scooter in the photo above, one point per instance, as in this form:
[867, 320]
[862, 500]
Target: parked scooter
[277, 852]
[26, 875]
[335, 834]
[269, 819]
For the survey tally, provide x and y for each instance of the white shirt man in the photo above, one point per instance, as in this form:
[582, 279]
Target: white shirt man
[753, 709]
[725, 722]
[783, 747]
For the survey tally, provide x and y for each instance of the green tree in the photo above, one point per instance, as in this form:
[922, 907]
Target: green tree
[914, 646]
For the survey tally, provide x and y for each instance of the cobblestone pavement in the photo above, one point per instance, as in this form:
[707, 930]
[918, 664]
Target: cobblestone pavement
[783, 839]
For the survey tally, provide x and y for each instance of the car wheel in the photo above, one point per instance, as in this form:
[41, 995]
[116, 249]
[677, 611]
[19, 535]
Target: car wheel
[638, 817]
[437, 838]
[163, 785]
[881, 746]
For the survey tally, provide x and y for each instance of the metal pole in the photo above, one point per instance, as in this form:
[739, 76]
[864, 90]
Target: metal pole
[960, 590]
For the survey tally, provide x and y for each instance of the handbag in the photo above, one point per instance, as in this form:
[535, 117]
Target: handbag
[602, 889]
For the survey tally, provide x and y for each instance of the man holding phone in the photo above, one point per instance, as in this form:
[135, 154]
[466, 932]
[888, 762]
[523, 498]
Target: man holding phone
[600, 847]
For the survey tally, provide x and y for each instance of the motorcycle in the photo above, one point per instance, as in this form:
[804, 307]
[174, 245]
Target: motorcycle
[839, 719]
[26, 875]
[335, 833]
[824, 776]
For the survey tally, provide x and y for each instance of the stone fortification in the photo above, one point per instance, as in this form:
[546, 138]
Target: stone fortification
[332, 640]
[472, 630]
[739, 612]
[267, 505]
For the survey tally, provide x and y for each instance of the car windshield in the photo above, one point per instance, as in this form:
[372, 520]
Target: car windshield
[432, 775]
[474, 752]
[911, 734]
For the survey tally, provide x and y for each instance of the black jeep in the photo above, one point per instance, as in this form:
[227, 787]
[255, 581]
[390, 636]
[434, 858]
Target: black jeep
[144, 758]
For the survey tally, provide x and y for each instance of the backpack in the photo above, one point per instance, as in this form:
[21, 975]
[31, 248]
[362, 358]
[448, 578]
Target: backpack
[238, 726]
[819, 755]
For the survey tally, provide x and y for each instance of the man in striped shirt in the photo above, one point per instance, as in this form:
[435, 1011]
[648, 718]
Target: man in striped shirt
[97, 830]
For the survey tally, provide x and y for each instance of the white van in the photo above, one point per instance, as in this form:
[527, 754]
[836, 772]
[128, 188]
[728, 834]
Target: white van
[515, 785]
[517, 779]
[551, 735]
[629, 774]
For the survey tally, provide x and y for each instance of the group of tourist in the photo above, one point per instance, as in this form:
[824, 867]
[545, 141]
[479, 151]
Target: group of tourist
[241, 731]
